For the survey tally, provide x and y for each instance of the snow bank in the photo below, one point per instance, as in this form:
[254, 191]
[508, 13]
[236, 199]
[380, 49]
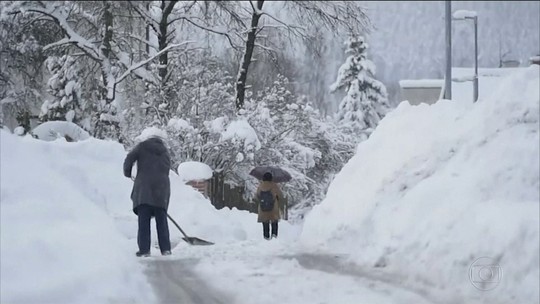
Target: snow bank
[58, 245]
[460, 182]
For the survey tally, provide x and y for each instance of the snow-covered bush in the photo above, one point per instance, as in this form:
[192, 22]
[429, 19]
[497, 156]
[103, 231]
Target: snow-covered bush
[52, 130]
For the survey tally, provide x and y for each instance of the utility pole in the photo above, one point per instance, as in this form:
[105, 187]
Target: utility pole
[448, 75]
[475, 81]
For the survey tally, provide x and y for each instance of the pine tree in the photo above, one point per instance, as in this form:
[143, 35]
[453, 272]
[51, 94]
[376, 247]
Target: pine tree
[366, 101]
[64, 85]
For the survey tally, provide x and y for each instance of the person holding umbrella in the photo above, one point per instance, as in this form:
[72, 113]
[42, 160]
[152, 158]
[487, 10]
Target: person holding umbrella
[269, 194]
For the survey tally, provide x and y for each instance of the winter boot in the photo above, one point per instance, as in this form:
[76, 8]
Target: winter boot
[142, 254]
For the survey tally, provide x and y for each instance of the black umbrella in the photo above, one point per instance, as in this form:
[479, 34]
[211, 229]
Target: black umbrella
[278, 175]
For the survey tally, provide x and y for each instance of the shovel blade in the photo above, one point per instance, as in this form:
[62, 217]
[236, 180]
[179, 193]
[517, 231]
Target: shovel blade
[196, 241]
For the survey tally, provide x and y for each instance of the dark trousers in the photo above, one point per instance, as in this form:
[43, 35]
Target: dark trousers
[145, 213]
[266, 229]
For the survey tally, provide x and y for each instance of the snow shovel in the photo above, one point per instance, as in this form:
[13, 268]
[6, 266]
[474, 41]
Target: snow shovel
[189, 239]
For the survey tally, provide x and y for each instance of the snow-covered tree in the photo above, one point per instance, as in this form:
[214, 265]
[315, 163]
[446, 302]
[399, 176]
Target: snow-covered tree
[65, 87]
[294, 136]
[92, 29]
[21, 62]
[332, 15]
[366, 101]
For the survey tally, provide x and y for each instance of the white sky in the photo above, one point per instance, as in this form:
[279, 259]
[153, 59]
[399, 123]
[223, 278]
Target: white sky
[459, 182]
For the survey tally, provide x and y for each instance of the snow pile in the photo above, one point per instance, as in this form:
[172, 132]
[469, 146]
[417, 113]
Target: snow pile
[57, 243]
[460, 182]
[68, 229]
[52, 130]
[192, 171]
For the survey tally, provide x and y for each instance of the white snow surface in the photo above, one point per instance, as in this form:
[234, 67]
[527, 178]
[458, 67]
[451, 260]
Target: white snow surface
[460, 182]
[193, 170]
[59, 242]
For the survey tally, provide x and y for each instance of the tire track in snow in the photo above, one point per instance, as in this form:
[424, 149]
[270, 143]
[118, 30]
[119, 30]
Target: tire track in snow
[334, 265]
[174, 281]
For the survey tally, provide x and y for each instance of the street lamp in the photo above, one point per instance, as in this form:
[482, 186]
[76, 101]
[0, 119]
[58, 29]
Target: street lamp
[471, 15]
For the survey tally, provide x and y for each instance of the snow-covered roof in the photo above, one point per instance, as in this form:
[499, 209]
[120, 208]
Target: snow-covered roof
[193, 170]
[421, 83]
[463, 14]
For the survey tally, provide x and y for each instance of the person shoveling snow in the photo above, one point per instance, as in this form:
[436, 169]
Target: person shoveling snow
[151, 191]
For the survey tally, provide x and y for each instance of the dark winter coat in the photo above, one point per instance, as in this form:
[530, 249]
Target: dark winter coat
[152, 186]
[265, 216]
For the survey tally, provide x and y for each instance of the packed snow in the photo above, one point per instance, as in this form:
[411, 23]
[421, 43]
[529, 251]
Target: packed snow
[460, 182]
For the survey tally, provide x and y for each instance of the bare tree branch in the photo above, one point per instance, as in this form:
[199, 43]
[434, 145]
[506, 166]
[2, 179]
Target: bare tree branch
[213, 31]
[140, 64]
[148, 19]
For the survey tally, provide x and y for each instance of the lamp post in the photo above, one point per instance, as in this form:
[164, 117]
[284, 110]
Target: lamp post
[471, 15]
[448, 36]
[475, 81]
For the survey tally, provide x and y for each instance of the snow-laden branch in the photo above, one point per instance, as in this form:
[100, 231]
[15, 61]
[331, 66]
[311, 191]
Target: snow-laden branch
[269, 49]
[72, 37]
[143, 40]
[138, 65]
[289, 27]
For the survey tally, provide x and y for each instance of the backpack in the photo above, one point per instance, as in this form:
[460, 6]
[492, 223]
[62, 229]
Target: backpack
[267, 200]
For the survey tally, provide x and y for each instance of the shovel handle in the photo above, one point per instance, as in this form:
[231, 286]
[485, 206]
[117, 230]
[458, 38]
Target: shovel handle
[177, 226]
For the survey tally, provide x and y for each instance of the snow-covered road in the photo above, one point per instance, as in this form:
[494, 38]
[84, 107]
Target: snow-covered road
[175, 282]
[261, 272]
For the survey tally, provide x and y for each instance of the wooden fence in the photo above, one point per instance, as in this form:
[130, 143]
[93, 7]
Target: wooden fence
[224, 195]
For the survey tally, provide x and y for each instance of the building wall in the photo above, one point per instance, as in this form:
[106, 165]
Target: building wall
[418, 95]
